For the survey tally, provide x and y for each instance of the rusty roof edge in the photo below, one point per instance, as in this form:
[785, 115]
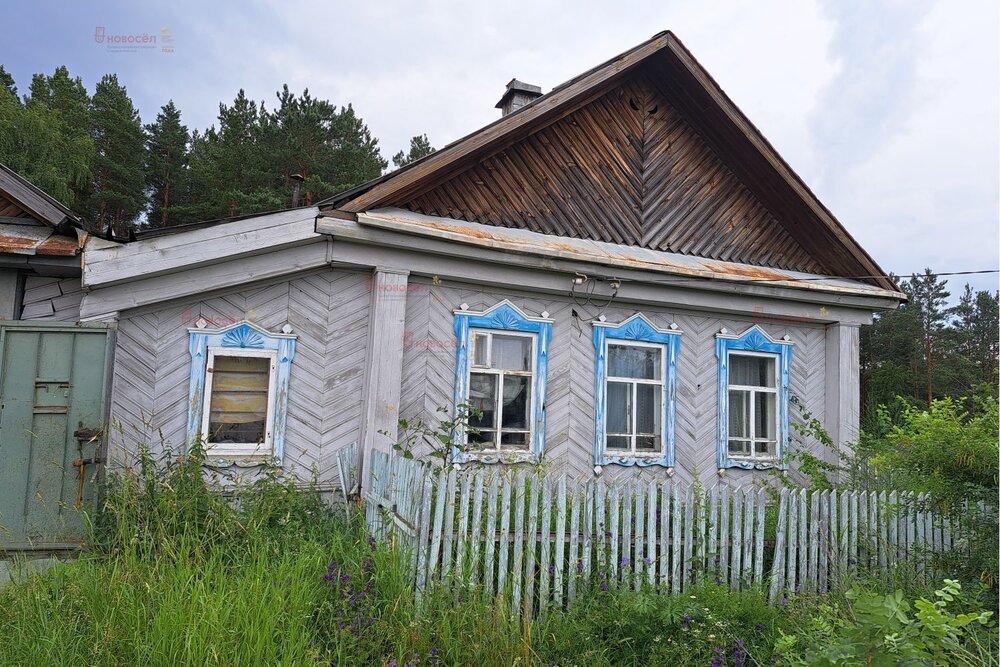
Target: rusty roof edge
[523, 241]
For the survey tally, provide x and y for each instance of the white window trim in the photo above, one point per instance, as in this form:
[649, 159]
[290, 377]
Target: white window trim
[533, 374]
[753, 457]
[631, 452]
[240, 449]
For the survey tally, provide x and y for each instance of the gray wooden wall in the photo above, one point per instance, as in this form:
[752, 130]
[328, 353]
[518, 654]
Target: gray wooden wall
[429, 363]
[328, 311]
[53, 299]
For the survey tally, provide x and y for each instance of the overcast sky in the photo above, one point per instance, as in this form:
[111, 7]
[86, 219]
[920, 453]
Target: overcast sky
[888, 110]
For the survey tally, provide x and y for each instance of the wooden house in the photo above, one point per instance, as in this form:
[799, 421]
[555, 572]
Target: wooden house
[618, 277]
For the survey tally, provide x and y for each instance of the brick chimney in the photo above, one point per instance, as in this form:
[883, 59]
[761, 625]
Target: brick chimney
[518, 94]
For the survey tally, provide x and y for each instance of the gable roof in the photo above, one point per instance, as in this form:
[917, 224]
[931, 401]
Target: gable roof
[774, 220]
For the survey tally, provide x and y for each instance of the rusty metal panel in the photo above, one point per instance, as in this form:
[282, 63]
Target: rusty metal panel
[52, 398]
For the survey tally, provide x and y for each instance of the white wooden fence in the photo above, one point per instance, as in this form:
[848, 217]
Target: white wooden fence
[540, 541]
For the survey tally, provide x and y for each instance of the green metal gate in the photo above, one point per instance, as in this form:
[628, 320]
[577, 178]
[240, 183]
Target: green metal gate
[53, 380]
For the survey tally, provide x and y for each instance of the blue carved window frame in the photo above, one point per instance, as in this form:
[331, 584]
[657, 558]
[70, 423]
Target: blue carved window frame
[240, 336]
[504, 316]
[639, 329]
[754, 340]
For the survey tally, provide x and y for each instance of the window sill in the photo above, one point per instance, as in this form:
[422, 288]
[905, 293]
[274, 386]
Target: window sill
[753, 465]
[240, 461]
[502, 458]
[641, 460]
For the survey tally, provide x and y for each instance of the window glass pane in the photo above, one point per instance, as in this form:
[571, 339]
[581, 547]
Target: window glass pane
[764, 449]
[619, 418]
[483, 397]
[739, 448]
[511, 353]
[751, 371]
[648, 409]
[480, 350]
[618, 442]
[739, 414]
[629, 361]
[764, 415]
[238, 405]
[516, 399]
[513, 441]
[647, 443]
[484, 439]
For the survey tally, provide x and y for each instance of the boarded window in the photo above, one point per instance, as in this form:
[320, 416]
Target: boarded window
[238, 403]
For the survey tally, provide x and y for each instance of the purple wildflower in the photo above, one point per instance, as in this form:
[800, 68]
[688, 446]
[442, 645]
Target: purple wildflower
[685, 621]
[393, 663]
[345, 578]
[604, 585]
[718, 657]
[579, 566]
[552, 569]
[759, 627]
[435, 652]
[739, 653]
[784, 601]
[647, 560]
[624, 561]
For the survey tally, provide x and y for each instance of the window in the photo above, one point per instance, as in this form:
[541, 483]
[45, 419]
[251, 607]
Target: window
[239, 391]
[635, 389]
[500, 390]
[500, 375]
[753, 392]
[753, 406]
[238, 414]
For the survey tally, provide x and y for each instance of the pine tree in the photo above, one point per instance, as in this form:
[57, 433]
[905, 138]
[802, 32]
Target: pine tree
[977, 337]
[420, 146]
[167, 167]
[62, 103]
[330, 149]
[7, 81]
[929, 298]
[38, 139]
[119, 167]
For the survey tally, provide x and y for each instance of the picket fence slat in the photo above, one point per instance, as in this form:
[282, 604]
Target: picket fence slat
[489, 530]
[532, 530]
[675, 547]
[520, 502]
[778, 580]
[737, 549]
[502, 539]
[688, 538]
[543, 562]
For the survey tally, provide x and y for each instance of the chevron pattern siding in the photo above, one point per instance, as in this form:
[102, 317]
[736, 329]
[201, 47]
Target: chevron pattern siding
[328, 311]
[429, 366]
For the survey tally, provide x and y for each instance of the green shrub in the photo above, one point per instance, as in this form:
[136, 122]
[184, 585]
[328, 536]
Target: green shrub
[875, 629]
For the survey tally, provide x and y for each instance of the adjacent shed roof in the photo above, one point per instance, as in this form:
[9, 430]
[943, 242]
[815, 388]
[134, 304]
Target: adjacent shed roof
[33, 223]
[33, 202]
[665, 69]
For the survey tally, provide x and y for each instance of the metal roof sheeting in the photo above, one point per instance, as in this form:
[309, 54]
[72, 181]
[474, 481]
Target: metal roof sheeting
[609, 254]
[35, 239]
